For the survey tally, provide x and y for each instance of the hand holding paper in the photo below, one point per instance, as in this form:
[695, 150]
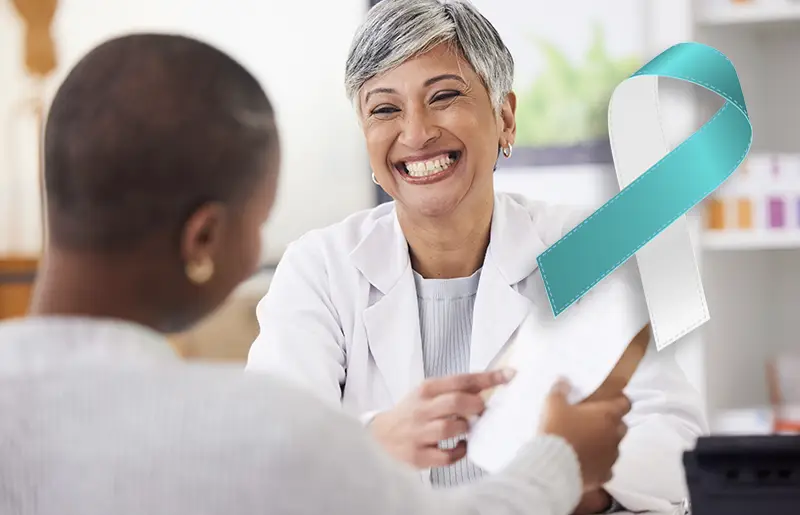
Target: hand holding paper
[596, 345]
[594, 430]
[438, 410]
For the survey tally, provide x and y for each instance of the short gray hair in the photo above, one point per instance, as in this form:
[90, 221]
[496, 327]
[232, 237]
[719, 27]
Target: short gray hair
[398, 30]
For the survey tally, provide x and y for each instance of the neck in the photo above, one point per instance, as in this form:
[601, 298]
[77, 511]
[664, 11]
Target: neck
[87, 285]
[450, 246]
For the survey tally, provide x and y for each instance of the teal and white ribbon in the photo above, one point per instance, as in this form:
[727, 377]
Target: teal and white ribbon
[658, 186]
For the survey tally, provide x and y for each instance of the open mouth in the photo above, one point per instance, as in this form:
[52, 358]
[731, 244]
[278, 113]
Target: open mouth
[429, 167]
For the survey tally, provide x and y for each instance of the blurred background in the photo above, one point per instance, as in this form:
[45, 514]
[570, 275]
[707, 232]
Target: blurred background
[569, 55]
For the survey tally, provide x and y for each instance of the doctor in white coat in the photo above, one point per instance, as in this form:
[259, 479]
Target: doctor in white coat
[437, 282]
[156, 192]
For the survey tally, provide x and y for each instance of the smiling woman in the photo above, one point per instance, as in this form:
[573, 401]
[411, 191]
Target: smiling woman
[368, 312]
[433, 136]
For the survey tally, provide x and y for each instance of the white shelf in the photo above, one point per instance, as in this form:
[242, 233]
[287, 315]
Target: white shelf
[749, 14]
[751, 240]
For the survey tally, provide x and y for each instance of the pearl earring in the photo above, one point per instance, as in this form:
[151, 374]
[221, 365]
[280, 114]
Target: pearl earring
[200, 273]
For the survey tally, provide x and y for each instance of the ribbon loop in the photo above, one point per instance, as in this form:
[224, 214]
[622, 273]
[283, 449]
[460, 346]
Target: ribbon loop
[657, 188]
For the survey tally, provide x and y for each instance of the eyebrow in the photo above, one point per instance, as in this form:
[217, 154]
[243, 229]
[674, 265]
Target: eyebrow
[445, 76]
[427, 83]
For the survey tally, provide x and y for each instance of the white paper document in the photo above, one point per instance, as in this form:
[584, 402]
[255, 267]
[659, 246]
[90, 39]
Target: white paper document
[583, 345]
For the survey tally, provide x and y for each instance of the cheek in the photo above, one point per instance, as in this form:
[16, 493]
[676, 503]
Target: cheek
[252, 249]
[477, 132]
[379, 141]
[486, 136]
[242, 253]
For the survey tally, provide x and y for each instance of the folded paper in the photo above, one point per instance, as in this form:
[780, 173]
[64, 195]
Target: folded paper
[586, 346]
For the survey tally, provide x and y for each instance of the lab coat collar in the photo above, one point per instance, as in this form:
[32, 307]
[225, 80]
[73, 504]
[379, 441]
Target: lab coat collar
[392, 319]
[49, 343]
[515, 243]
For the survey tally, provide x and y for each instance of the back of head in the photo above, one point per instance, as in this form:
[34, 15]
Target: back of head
[145, 129]
[161, 155]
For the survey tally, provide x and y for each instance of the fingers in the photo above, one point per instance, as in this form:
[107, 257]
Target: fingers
[561, 387]
[614, 412]
[456, 404]
[614, 409]
[469, 383]
[436, 457]
[620, 406]
[559, 392]
[442, 429]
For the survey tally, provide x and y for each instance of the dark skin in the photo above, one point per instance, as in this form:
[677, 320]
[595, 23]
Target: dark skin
[147, 283]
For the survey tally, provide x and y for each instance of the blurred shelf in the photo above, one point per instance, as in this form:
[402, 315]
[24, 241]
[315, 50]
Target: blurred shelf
[751, 240]
[749, 14]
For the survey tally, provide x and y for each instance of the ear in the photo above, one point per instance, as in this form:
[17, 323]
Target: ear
[202, 235]
[508, 120]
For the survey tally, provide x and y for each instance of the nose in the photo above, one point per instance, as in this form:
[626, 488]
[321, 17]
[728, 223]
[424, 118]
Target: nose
[417, 131]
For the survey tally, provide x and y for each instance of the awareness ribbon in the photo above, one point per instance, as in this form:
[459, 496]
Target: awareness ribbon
[657, 188]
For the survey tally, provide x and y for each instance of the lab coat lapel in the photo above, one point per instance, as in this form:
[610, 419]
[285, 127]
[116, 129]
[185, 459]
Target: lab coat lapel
[393, 333]
[511, 257]
[392, 319]
[499, 311]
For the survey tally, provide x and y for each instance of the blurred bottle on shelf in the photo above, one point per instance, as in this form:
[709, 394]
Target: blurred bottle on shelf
[762, 195]
[783, 381]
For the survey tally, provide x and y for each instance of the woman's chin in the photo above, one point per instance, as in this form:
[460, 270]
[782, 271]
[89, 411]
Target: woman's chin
[433, 206]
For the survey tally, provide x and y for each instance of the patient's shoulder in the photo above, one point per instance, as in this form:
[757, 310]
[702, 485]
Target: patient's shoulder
[286, 429]
[198, 437]
[248, 395]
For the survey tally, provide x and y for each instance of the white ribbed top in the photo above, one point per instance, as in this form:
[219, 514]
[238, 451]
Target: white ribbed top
[445, 314]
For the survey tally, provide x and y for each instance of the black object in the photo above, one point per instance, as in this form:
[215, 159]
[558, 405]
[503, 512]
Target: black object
[744, 475]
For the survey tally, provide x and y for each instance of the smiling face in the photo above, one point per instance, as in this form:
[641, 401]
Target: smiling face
[433, 135]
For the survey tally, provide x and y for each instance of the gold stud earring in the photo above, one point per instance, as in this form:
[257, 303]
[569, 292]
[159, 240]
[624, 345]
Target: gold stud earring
[200, 272]
[507, 151]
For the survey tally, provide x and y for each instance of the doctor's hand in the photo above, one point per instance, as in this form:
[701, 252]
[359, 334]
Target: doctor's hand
[593, 429]
[439, 409]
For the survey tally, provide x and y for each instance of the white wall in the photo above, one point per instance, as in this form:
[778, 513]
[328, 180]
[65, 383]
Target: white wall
[297, 50]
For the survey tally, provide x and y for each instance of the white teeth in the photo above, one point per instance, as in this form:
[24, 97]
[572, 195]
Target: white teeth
[425, 168]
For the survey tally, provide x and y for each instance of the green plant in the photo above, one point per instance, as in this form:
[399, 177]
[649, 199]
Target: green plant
[568, 103]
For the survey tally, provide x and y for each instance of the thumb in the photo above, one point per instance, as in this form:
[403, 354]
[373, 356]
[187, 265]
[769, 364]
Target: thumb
[560, 390]
[555, 404]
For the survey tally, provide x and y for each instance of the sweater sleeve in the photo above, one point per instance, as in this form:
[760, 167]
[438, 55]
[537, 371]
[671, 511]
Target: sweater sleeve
[346, 472]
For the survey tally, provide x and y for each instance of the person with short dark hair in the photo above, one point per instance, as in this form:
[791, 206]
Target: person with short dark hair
[162, 158]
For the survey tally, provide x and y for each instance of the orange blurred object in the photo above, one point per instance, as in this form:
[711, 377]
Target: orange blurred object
[40, 52]
[744, 213]
[716, 213]
[783, 382]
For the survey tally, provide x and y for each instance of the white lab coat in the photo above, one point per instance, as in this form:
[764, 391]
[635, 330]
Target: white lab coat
[100, 416]
[341, 318]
